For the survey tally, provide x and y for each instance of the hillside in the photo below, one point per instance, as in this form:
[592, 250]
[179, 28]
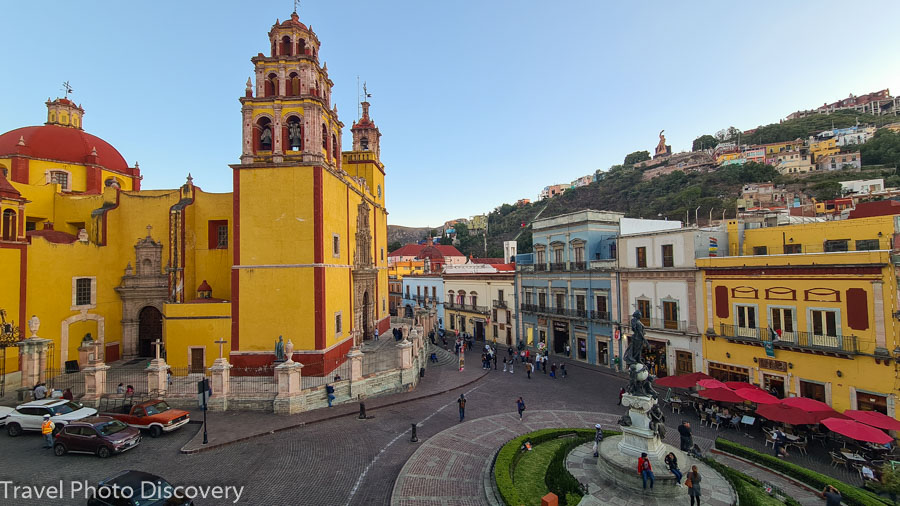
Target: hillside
[405, 235]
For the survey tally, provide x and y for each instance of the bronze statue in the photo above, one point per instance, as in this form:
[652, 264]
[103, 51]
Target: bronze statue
[661, 148]
[279, 350]
[636, 345]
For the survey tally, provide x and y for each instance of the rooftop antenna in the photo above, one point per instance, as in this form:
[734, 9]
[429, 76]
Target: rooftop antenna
[358, 113]
[67, 89]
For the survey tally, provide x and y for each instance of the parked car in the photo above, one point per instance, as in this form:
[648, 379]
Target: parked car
[155, 416]
[157, 495]
[100, 435]
[30, 416]
[4, 412]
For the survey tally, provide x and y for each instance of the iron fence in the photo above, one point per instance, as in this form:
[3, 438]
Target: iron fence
[797, 339]
[382, 361]
[59, 379]
[252, 382]
[182, 381]
[342, 371]
[119, 379]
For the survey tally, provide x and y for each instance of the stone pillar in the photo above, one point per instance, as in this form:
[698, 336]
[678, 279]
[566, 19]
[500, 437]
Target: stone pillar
[290, 399]
[94, 375]
[89, 353]
[356, 357]
[221, 378]
[406, 362]
[878, 310]
[33, 354]
[157, 376]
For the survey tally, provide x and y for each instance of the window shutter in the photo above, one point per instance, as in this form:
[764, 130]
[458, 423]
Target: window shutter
[857, 309]
[721, 296]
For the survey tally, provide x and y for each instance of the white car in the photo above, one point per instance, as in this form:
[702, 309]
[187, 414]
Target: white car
[30, 416]
[4, 412]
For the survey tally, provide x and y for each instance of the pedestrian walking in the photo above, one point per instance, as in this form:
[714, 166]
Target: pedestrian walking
[522, 356]
[693, 485]
[47, 430]
[672, 464]
[621, 393]
[504, 365]
[562, 370]
[329, 392]
[494, 359]
[510, 351]
[462, 406]
[40, 391]
[510, 366]
[780, 442]
[544, 363]
[645, 469]
[568, 350]
[598, 438]
[553, 371]
[528, 367]
[687, 439]
[831, 495]
[520, 405]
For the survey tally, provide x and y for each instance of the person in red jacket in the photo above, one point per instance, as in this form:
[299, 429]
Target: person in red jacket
[645, 470]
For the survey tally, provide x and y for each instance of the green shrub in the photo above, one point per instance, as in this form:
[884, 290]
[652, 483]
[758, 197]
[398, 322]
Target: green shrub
[749, 490]
[509, 454]
[852, 495]
[558, 479]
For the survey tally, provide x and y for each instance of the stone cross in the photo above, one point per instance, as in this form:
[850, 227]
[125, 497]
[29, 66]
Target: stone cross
[157, 343]
[149, 228]
[220, 342]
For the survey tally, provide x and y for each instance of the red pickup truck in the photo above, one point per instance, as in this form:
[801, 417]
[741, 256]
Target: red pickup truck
[156, 416]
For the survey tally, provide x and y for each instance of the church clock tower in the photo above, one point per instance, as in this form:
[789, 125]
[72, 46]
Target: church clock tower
[298, 215]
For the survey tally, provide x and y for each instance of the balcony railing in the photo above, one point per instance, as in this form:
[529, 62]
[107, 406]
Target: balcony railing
[568, 266]
[663, 324]
[581, 314]
[467, 307]
[797, 340]
[500, 304]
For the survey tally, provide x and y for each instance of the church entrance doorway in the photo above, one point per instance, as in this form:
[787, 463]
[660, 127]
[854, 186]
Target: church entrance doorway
[149, 330]
[366, 322]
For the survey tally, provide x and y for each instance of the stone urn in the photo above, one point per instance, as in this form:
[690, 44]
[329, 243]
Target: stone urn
[289, 351]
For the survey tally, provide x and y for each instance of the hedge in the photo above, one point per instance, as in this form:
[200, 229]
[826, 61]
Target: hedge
[749, 490]
[558, 479]
[854, 496]
[509, 454]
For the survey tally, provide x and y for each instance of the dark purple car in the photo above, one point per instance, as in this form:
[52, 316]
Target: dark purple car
[100, 435]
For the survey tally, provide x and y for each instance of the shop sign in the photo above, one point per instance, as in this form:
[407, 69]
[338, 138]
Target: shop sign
[774, 365]
[560, 326]
[542, 322]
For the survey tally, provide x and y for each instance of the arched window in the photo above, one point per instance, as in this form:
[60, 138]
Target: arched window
[264, 137]
[364, 143]
[293, 85]
[324, 137]
[286, 45]
[334, 146]
[9, 225]
[461, 297]
[301, 47]
[112, 182]
[271, 85]
[4, 171]
[474, 297]
[293, 134]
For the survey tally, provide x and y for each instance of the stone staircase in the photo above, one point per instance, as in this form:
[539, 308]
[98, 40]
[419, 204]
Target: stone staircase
[444, 357]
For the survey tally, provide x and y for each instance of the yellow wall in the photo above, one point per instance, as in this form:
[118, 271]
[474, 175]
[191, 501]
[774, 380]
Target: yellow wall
[823, 148]
[195, 325]
[749, 278]
[406, 268]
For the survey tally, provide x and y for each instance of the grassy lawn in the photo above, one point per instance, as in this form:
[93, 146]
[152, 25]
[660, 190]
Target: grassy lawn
[530, 471]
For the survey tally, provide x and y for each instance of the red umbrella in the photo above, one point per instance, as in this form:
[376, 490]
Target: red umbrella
[857, 431]
[737, 385]
[723, 394]
[795, 416]
[756, 395]
[806, 404]
[682, 381]
[711, 383]
[873, 418]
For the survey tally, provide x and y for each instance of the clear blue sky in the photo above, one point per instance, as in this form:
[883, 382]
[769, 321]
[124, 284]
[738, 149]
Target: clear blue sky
[479, 103]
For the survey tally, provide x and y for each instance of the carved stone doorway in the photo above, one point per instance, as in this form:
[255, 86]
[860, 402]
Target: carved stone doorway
[367, 320]
[142, 287]
[149, 330]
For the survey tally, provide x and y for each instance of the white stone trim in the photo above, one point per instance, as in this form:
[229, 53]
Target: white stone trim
[338, 317]
[64, 334]
[84, 307]
[49, 179]
[336, 241]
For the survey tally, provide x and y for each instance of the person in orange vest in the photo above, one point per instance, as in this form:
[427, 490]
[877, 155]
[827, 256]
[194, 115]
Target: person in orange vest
[47, 430]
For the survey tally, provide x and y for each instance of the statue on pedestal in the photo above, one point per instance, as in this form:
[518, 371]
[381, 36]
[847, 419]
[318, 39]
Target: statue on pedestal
[640, 379]
[662, 149]
[279, 350]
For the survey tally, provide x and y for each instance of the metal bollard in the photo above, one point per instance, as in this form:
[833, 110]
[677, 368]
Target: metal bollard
[413, 439]
[362, 410]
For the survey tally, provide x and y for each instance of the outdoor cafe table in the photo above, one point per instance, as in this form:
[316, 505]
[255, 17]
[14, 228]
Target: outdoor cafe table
[853, 456]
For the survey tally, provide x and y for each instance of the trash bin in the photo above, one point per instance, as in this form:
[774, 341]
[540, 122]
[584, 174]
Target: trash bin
[421, 372]
[23, 394]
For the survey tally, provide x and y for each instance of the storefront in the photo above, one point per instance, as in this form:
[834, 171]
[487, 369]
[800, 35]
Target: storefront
[684, 362]
[603, 351]
[656, 358]
[867, 401]
[726, 372]
[560, 336]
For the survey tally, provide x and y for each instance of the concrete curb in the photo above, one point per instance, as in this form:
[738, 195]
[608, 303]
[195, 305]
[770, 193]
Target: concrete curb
[185, 450]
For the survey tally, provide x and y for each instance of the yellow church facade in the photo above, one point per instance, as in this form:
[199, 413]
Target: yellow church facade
[296, 250]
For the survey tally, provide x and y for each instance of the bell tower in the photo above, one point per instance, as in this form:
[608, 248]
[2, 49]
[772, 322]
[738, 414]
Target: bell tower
[365, 134]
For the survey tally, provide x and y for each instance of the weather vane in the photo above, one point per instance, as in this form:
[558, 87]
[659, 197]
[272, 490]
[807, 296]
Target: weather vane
[296, 4]
[366, 93]
[67, 89]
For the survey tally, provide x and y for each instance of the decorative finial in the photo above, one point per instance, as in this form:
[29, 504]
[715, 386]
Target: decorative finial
[67, 89]
[249, 84]
[190, 180]
[94, 151]
[21, 140]
[136, 166]
[325, 67]
[149, 228]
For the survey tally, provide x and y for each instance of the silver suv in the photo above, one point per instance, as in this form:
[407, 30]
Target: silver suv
[30, 416]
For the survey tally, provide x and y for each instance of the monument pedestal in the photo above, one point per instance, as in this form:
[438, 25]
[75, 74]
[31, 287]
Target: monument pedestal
[290, 399]
[639, 437]
[221, 374]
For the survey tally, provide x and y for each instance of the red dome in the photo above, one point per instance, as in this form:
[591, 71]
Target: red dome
[63, 144]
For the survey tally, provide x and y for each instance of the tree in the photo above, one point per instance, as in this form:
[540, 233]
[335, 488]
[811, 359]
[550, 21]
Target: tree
[704, 142]
[636, 157]
[883, 149]
[394, 246]
[462, 230]
[827, 190]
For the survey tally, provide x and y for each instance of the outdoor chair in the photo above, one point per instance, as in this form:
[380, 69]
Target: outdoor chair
[704, 417]
[800, 445]
[837, 459]
[770, 438]
[676, 407]
[713, 421]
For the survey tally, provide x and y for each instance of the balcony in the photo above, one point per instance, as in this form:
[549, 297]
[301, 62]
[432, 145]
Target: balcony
[579, 314]
[500, 304]
[558, 266]
[800, 341]
[663, 324]
[578, 266]
[593, 265]
[467, 307]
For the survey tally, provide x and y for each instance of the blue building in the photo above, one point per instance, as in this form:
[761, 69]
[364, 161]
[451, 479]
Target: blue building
[425, 291]
[566, 289]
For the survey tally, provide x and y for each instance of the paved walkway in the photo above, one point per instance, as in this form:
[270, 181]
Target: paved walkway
[450, 468]
[801, 493]
[581, 462]
[228, 427]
